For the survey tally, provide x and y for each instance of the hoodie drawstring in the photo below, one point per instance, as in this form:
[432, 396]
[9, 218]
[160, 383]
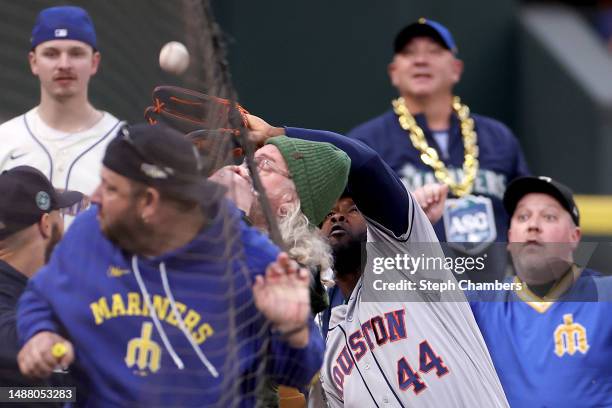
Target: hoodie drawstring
[145, 294]
[179, 319]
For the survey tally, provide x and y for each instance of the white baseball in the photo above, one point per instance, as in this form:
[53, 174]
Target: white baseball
[174, 58]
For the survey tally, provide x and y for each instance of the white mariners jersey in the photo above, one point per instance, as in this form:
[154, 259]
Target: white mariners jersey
[422, 352]
[70, 160]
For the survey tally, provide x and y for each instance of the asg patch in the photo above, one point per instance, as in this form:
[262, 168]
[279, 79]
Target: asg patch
[469, 223]
[43, 200]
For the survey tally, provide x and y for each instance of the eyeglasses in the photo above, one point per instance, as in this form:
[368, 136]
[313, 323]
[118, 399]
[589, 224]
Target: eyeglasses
[266, 165]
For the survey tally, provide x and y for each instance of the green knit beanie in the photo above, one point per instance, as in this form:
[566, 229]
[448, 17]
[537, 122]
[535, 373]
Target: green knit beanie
[319, 171]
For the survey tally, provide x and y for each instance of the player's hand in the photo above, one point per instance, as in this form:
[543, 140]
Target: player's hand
[36, 359]
[282, 295]
[238, 183]
[260, 130]
[431, 197]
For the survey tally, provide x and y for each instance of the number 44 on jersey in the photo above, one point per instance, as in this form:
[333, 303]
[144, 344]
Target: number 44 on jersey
[408, 378]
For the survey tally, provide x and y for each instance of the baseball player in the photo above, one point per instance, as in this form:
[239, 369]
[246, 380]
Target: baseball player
[410, 349]
[64, 136]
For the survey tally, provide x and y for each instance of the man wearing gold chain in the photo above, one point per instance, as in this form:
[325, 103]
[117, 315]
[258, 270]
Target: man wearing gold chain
[430, 138]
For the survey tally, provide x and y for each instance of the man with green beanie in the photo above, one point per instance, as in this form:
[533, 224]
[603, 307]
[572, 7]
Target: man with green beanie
[302, 180]
[318, 170]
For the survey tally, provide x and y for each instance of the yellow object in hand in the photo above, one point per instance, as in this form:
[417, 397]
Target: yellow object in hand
[59, 350]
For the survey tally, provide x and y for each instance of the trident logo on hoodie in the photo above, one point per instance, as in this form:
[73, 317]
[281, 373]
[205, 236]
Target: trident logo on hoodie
[148, 351]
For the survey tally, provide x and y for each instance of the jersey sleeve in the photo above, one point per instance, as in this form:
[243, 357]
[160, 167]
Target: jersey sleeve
[373, 185]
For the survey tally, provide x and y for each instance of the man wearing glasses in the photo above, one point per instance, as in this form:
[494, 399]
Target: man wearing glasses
[302, 180]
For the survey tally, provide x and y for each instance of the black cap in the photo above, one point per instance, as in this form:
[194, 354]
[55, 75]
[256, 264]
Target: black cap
[26, 195]
[424, 27]
[525, 185]
[161, 157]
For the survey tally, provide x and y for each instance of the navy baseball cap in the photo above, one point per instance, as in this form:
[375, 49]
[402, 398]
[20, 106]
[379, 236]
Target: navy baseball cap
[161, 157]
[425, 28]
[27, 195]
[522, 186]
[63, 23]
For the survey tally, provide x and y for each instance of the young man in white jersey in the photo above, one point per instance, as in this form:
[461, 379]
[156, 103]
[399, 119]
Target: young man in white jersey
[64, 136]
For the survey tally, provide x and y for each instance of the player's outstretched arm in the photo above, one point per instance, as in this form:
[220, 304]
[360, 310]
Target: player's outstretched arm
[374, 186]
[43, 353]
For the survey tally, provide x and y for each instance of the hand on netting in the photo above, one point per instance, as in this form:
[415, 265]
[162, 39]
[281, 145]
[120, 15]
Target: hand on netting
[282, 295]
[260, 130]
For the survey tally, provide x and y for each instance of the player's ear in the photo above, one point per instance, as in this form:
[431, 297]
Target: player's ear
[95, 62]
[33, 62]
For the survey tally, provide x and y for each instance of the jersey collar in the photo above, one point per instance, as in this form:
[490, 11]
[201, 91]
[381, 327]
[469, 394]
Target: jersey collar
[542, 304]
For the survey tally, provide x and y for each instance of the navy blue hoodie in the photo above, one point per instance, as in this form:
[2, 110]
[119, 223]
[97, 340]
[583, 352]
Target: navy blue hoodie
[89, 292]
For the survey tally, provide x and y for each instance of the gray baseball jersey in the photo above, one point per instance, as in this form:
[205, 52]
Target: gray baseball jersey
[418, 350]
[70, 160]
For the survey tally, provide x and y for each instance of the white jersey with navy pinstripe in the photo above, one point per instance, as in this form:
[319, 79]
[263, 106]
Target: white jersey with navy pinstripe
[70, 160]
[414, 353]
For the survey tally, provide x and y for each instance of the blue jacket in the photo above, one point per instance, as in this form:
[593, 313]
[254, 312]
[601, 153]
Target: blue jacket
[500, 157]
[89, 292]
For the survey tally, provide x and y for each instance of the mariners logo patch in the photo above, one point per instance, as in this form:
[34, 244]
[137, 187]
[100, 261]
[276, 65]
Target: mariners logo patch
[469, 221]
[43, 200]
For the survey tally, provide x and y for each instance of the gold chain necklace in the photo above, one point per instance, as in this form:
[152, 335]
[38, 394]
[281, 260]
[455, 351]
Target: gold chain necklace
[430, 156]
